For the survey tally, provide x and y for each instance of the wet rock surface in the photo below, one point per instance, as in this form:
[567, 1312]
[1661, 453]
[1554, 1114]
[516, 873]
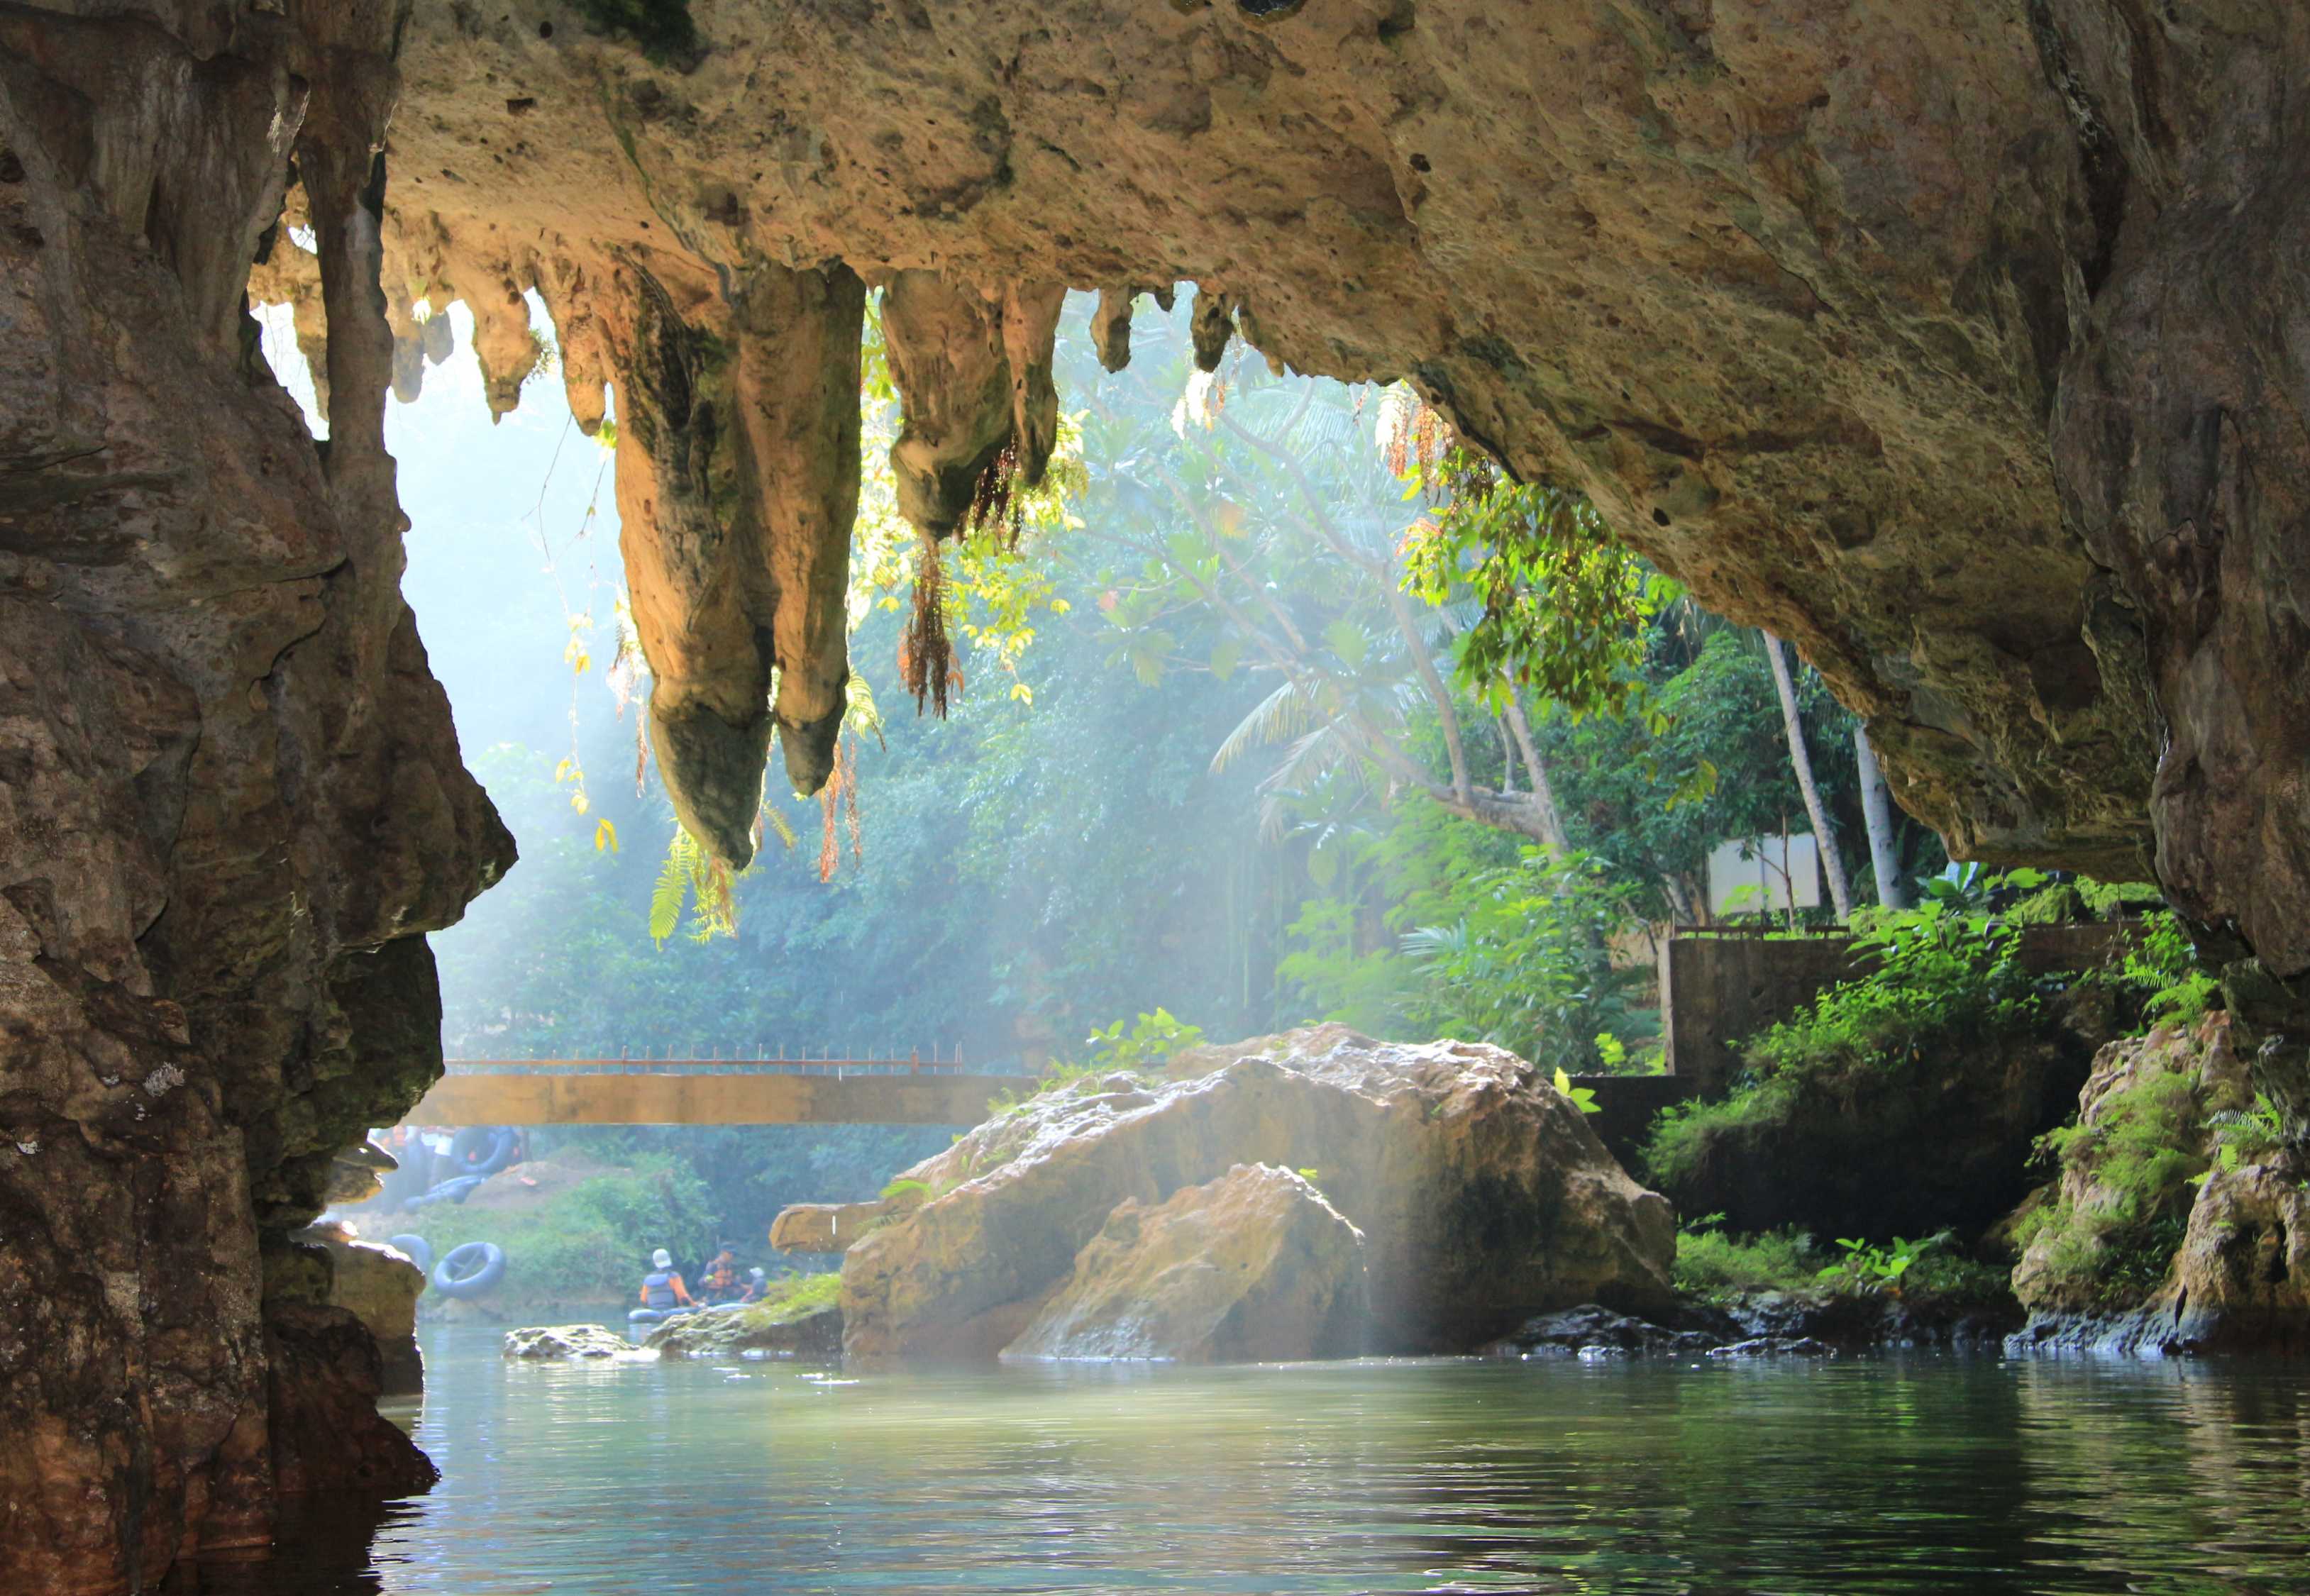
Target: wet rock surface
[379, 1285]
[1254, 1267]
[231, 795]
[1796, 1323]
[757, 1332]
[1482, 1195]
[568, 1342]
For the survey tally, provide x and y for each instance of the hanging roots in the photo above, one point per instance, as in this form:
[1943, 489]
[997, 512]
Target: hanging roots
[927, 666]
[839, 795]
[996, 501]
[850, 803]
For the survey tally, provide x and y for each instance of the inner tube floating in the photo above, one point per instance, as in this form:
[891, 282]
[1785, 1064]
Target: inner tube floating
[455, 1189]
[416, 1248]
[470, 1271]
[484, 1150]
[656, 1315]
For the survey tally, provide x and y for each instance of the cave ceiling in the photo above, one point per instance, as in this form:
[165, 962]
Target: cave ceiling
[1807, 295]
[1949, 341]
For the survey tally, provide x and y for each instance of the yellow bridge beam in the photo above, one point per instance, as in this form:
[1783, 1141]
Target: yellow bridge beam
[571, 1095]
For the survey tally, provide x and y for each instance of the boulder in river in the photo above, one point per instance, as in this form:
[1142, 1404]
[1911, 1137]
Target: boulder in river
[1254, 1267]
[574, 1342]
[1481, 1194]
[773, 1330]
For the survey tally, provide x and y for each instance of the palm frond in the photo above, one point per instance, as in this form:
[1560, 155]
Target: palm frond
[1281, 714]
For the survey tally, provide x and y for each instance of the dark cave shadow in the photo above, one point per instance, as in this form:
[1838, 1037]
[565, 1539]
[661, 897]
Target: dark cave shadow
[322, 1546]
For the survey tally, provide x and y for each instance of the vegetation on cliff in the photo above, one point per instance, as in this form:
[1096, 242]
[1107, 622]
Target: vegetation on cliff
[1908, 1100]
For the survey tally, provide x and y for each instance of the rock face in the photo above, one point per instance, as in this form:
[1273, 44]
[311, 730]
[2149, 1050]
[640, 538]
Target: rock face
[2127, 1258]
[379, 1285]
[759, 1332]
[1482, 1195]
[1254, 1267]
[824, 1227]
[230, 796]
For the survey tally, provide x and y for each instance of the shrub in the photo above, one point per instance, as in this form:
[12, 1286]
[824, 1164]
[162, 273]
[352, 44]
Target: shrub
[1904, 1101]
[1527, 968]
[1710, 1263]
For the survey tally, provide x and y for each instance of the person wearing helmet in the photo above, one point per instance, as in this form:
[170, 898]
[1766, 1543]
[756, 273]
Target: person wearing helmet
[719, 1284]
[757, 1286]
[661, 1287]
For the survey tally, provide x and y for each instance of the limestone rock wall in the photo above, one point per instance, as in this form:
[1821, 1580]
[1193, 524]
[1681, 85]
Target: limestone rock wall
[229, 793]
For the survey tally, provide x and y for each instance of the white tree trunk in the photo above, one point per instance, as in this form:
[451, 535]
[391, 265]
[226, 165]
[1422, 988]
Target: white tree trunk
[1840, 891]
[1877, 810]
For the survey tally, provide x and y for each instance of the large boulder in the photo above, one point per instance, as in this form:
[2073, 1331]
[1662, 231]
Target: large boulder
[1254, 1267]
[1481, 1194]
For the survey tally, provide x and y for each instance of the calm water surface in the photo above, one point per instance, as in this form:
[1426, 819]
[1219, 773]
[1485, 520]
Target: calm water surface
[1909, 1475]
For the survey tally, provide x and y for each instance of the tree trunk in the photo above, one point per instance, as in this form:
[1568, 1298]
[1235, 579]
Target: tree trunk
[1840, 893]
[1543, 795]
[1877, 810]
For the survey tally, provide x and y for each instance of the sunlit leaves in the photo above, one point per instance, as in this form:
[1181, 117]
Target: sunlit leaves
[1563, 608]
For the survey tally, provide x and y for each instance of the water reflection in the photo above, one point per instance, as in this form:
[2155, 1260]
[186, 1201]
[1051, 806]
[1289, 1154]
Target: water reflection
[1847, 1479]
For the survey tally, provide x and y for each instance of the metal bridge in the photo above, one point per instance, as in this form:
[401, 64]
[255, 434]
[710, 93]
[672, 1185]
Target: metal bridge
[713, 1092]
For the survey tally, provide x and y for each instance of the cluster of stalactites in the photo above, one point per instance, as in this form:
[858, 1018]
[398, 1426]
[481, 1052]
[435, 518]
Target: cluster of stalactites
[738, 457]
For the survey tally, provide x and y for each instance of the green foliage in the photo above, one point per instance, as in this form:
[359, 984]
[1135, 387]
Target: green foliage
[1526, 964]
[797, 1296]
[1651, 793]
[2141, 1149]
[590, 1244]
[1716, 1266]
[1564, 607]
[1942, 976]
[2176, 990]
[2242, 1136]
[1937, 971]
[661, 29]
[1149, 1044]
[1866, 1268]
[1582, 1097]
[1335, 979]
[1711, 1264]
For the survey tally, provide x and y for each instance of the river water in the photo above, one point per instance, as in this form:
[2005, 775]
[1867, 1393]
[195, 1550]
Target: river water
[1849, 1478]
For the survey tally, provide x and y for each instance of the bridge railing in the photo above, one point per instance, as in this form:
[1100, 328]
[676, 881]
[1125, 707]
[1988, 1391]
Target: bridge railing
[841, 1068]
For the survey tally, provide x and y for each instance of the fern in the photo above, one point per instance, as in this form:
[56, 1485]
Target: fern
[672, 891]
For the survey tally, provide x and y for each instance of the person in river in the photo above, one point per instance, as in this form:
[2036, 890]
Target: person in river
[720, 1282]
[661, 1287]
